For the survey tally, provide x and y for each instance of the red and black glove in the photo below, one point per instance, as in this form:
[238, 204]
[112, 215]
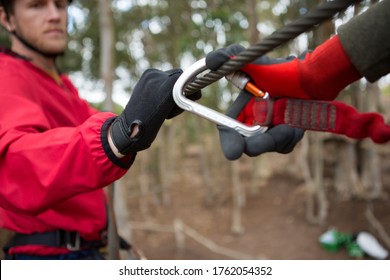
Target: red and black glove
[281, 138]
[320, 74]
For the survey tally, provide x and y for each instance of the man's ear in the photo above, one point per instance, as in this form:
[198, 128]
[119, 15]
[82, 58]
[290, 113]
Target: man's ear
[4, 20]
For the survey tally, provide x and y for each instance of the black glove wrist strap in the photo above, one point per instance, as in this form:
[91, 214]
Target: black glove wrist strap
[120, 136]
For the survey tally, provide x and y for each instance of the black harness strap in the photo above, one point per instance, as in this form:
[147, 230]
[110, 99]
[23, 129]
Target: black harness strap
[70, 240]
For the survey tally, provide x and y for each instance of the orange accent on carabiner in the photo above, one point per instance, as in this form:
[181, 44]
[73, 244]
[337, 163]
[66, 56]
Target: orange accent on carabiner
[254, 90]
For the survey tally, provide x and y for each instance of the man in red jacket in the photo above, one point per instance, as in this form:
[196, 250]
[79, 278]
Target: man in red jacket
[56, 152]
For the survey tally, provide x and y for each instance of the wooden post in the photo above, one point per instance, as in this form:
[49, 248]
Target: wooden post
[179, 235]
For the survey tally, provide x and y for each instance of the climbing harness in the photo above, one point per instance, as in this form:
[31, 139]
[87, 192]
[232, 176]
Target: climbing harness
[331, 116]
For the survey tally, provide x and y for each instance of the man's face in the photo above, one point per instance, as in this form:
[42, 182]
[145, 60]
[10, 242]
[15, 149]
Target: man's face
[42, 23]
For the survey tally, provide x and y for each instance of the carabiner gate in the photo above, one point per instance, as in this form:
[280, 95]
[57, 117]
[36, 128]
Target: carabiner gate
[186, 104]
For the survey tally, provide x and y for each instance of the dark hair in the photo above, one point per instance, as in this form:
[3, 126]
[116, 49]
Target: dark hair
[7, 5]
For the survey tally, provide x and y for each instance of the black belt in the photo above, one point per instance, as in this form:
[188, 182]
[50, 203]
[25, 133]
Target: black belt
[70, 240]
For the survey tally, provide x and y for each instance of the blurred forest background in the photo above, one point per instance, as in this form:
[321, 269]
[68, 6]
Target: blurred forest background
[182, 199]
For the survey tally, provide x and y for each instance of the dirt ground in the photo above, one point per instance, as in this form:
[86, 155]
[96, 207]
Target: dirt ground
[273, 222]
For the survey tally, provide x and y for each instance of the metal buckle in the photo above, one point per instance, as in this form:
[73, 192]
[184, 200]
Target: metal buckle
[186, 104]
[72, 240]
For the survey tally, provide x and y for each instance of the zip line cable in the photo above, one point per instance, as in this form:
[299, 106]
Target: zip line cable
[290, 31]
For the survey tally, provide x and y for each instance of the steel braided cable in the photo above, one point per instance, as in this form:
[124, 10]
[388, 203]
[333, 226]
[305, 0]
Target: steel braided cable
[290, 31]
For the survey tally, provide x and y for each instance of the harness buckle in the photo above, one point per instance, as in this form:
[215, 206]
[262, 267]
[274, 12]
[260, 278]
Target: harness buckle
[72, 240]
[186, 104]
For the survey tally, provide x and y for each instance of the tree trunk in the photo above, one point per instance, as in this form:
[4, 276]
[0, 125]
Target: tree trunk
[253, 18]
[238, 198]
[106, 50]
[106, 70]
[316, 201]
[371, 173]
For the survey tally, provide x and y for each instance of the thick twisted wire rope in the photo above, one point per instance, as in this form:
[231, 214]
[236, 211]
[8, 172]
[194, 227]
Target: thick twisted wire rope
[290, 31]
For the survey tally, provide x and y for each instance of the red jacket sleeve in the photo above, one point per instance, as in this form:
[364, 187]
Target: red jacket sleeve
[51, 148]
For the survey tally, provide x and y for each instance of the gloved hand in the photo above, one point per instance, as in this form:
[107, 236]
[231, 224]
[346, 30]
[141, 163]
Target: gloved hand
[150, 104]
[320, 74]
[281, 138]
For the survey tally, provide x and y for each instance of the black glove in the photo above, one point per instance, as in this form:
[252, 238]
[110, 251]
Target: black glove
[281, 138]
[150, 104]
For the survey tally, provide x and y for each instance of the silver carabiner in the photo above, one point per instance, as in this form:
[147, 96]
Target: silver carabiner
[186, 104]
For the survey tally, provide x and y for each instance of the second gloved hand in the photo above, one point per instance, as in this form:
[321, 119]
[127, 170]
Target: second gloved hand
[150, 104]
[281, 138]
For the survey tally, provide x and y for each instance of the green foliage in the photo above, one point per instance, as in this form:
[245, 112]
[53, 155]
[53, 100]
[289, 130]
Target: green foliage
[164, 31]
[4, 39]
[386, 90]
